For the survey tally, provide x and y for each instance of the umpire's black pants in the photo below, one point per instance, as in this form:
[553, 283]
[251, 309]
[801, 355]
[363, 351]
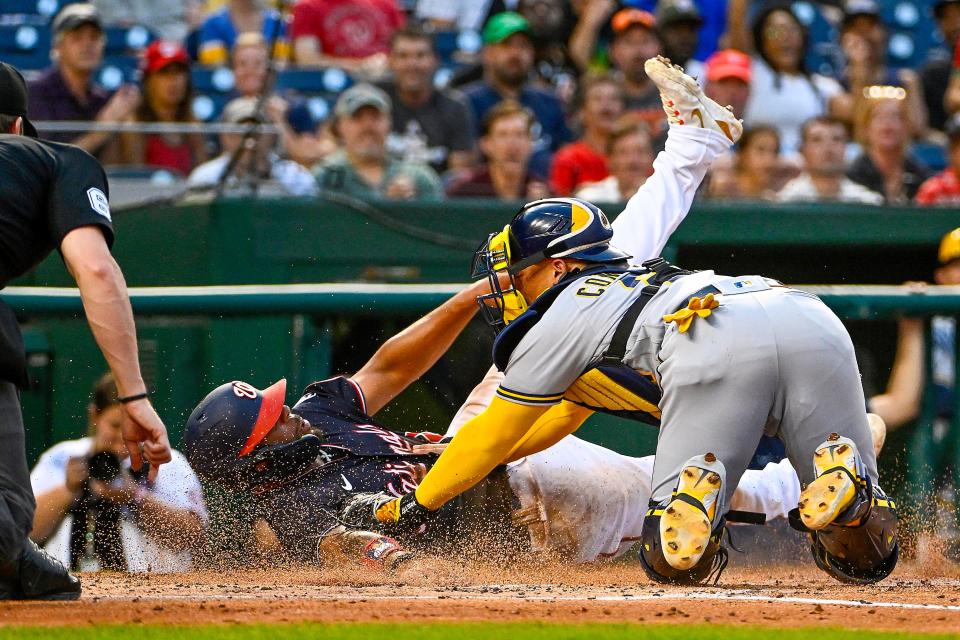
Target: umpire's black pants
[16, 497]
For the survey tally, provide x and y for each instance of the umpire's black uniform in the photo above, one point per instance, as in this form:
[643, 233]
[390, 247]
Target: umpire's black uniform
[46, 190]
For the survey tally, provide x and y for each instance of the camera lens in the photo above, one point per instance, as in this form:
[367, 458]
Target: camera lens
[103, 466]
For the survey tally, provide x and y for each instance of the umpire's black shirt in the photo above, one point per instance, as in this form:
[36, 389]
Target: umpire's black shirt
[47, 190]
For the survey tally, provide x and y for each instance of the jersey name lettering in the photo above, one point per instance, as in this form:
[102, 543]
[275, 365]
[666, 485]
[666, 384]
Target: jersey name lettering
[596, 284]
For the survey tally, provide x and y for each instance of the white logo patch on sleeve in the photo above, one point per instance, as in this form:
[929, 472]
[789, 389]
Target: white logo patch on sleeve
[99, 203]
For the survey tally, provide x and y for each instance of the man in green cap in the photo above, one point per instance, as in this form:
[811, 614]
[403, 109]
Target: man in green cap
[507, 59]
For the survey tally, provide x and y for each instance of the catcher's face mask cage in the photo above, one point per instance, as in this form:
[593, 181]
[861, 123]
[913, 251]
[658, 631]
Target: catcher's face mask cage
[492, 258]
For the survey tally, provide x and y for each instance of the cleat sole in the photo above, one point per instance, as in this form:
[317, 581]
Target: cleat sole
[684, 529]
[826, 497]
[684, 534]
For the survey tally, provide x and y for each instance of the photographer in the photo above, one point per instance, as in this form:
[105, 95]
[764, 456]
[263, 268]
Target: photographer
[94, 513]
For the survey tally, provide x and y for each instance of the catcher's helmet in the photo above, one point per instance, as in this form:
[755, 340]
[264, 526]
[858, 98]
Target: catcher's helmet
[550, 228]
[228, 424]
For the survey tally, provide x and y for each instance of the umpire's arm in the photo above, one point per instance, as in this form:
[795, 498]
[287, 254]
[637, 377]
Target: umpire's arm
[107, 307]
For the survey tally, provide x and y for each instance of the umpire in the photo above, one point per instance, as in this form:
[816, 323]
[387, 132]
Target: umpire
[54, 196]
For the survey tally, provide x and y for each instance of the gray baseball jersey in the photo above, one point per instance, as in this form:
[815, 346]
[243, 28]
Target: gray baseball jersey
[577, 329]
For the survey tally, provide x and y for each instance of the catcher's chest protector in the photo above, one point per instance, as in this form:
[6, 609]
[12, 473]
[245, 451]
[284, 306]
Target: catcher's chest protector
[607, 385]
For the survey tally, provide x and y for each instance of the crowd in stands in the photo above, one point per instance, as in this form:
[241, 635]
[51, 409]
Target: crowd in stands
[850, 100]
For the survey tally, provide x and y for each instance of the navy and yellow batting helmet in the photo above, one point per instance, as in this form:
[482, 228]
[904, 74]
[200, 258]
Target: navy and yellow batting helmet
[543, 229]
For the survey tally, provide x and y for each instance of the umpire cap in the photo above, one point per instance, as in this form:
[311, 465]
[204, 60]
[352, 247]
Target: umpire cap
[228, 424]
[13, 97]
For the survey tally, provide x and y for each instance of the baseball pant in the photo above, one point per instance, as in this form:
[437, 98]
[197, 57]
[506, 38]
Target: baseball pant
[776, 361]
[586, 502]
[16, 496]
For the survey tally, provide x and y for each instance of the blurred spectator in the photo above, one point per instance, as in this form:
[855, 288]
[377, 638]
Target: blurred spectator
[456, 15]
[167, 97]
[507, 144]
[351, 34]
[507, 65]
[167, 19]
[66, 91]
[882, 127]
[250, 62]
[952, 98]
[754, 172]
[304, 140]
[94, 513]
[783, 94]
[935, 75]
[679, 22]
[630, 158]
[257, 169]
[589, 41]
[944, 188]
[600, 104]
[219, 31]
[863, 38]
[728, 76]
[635, 40]
[430, 126]
[551, 23]
[362, 168]
[823, 147]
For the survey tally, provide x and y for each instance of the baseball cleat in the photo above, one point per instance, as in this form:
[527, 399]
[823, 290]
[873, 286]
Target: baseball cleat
[687, 521]
[685, 103]
[838, 468]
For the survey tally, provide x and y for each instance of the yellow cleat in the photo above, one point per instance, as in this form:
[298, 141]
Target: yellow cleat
[837, 466]
[687, 521]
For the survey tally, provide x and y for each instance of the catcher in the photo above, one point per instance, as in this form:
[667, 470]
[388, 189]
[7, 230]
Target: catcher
[576, 501]
[717, 361]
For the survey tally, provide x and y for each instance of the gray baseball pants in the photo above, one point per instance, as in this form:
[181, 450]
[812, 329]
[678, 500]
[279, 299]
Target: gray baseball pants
[777, 362]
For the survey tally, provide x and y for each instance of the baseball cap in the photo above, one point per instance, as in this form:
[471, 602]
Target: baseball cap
[503, 25]
[74, 16]
[856, 8]
[626, 18]
[675, 11]
[163, 53]
[13, 96]
[230, 422]
[950, 247]
[241, 110]
[359, 96]
[728, 63]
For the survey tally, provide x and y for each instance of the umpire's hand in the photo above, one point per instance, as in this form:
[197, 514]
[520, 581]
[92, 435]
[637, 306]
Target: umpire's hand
[143, 426]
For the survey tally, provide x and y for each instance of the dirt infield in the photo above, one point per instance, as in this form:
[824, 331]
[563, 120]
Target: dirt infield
[916, 598]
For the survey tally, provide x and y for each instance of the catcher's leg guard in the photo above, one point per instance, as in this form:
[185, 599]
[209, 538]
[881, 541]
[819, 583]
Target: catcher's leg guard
[851, 523]
[681, 535]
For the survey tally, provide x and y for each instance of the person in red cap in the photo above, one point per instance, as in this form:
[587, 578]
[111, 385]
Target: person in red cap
[167, 97]
[728, 79]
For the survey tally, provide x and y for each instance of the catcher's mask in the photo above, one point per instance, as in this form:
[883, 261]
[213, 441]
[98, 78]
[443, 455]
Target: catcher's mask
[551, 228]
